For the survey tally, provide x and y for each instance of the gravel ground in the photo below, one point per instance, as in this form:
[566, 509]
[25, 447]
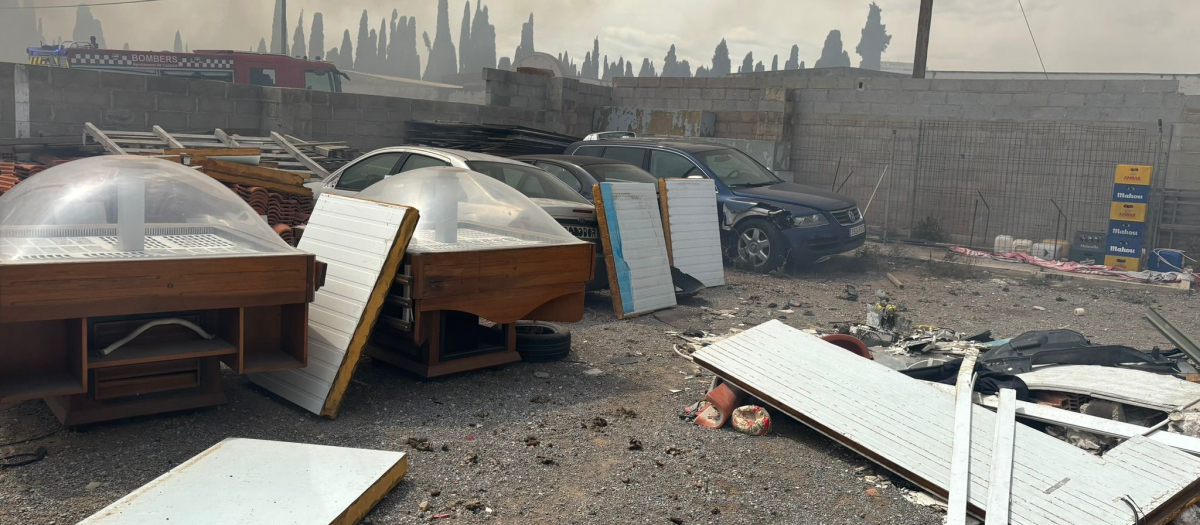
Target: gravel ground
[512, 447]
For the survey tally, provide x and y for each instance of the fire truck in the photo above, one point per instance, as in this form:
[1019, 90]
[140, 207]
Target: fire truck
[227, 66]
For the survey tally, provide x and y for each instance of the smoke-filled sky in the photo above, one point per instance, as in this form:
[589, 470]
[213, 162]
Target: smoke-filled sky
[1074, 35]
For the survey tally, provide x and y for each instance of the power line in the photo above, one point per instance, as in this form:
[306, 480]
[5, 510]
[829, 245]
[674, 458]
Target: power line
[119, 2]
[1031, 37]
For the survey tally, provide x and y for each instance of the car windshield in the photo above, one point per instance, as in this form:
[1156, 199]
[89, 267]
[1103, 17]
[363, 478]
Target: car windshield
[530, 181]
[619, 173]
[736, 169]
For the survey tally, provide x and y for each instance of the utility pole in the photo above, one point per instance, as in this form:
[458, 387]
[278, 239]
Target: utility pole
[283, 32]
[922, 58]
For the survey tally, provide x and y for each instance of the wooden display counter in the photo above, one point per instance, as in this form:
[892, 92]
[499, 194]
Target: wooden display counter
[57, 314]
[431, 319]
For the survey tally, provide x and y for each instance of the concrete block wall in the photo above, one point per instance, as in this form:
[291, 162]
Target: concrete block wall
[842, 119]
[62, 100]
[748, 108]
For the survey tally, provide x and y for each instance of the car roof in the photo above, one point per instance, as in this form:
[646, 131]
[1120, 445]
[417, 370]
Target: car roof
[689, 146]
[468, 156]
[578, 160]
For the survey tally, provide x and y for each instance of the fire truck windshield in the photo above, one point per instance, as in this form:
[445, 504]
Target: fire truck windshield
[320, 80]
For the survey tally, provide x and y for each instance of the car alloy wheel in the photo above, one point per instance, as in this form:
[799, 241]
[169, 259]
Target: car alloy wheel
[754, 247]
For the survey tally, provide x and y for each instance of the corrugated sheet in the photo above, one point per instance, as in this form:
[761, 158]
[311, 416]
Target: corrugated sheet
[244, 481]
[353, 237]
[638, 247]
[907, 426]
[691, 211]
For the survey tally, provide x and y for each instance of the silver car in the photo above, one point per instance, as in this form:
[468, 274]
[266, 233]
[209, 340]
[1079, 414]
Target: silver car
[567, 207]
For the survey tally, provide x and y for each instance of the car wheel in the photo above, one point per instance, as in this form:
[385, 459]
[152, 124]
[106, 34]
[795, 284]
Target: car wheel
[759, 245]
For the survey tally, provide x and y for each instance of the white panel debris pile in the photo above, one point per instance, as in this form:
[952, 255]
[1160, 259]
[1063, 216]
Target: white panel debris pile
[252, 482]
[362, 243]
[1132, 387]
[907, 426]
[690, 209]
[635, 247]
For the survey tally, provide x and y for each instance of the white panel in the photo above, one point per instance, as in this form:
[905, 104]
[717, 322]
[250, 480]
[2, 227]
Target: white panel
[695, 232]
[249, 481]
[355, 258]
[909, 424]
[640, 264]
[1134, 387]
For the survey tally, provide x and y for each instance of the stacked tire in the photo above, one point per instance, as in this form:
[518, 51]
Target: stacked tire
[542, 342]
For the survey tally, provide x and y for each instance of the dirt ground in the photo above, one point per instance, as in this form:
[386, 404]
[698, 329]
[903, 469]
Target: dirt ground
[511, 447]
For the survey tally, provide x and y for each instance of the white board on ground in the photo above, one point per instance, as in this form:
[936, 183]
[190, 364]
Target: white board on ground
[252, 482]
[907, 426]
[356, 238]
[690, 209]
[641, 274]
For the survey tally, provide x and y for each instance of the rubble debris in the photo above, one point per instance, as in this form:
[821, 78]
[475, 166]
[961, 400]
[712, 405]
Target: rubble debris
[635, 445]
[541, 375]
[1080, 312]
[593, 372]
[540, 399]
[875, 411]
[626, 413]
[599, 422]
[532, 441]
[752, 420]
[850, 294]
[420, 444]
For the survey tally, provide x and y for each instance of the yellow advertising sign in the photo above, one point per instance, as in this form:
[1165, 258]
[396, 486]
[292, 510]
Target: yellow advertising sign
[1128, 211]
[1137, 175]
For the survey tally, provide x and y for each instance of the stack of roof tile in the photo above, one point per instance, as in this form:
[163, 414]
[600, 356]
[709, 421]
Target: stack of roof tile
[285, 232]
[280, 208]
[8, 177]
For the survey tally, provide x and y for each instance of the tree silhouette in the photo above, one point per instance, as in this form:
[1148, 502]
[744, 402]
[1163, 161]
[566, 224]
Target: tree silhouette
[443, 60]
[346, 52]
[526, 47]
[591, 62]
[178, 42]
[298, 47]
[126, 46]
[332, 57]
[628, 68]
[647, 69]
[721, 65]
[362, 61]
[381, 52]
[833, 55]
[703, 72]
[504, 64]
[875, 40]
[408, 62]
[747, 63]
[759, 67]
[86, 27]
[483, 41]
[672, 67]
[775, 63]
[794, 60]
[465, 51]
[262, 45]
[277, 29]
[316, 39]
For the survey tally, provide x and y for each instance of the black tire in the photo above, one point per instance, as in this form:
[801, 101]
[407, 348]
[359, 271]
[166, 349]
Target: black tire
[541, 342]
[759, 246]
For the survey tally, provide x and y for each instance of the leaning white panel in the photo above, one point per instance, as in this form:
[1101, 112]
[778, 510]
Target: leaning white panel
[354, 238]
[252, 482]
[690, 210]
[907, 426]
[1123, 385]
[639, 249]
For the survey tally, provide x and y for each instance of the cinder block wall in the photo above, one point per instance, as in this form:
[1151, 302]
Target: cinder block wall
[840, 124]
[62, 100]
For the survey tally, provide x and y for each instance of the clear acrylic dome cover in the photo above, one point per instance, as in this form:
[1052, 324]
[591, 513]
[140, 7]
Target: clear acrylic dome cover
[463, 210]
[128, 207]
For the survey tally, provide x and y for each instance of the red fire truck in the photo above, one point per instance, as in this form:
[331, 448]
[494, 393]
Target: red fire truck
[227, 66]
